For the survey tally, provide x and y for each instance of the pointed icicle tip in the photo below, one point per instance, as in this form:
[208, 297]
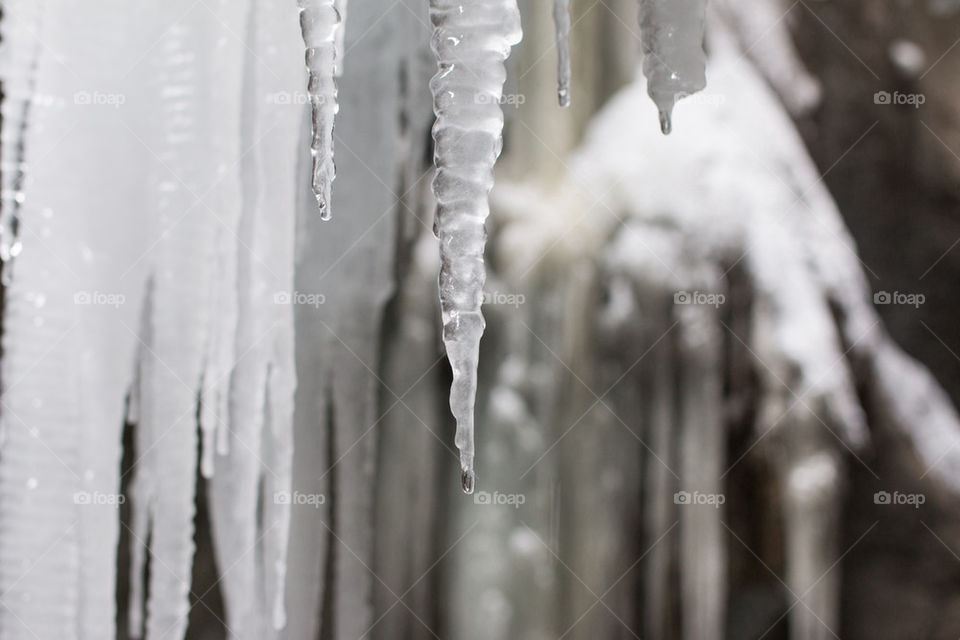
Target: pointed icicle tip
[666, 122]
[322, 207]
[467, 480]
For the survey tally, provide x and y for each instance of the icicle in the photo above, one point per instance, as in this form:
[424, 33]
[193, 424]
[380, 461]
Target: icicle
[192, 312]
[250, 520]
[21, 48]
[673, 58]
[561, 16]
[320, 25]
[340, 37]
[471, 41]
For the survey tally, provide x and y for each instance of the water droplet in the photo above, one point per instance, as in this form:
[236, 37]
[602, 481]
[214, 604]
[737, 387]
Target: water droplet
[322, 207]
[666, 124]
[467, 480]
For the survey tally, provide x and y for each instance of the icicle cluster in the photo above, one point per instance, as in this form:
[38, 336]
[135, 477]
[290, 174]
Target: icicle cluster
[471, 41]
[320, 24]
[673, 58]
[184, 268]
[561, 17]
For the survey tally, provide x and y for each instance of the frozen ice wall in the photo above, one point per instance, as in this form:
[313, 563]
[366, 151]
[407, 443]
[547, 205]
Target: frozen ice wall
[156, 209]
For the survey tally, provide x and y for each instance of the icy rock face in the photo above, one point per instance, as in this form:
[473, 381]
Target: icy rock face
[471, 42]
[320, 24]
[673, 58]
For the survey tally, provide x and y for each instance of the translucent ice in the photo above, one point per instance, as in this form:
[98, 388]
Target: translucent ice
[471, 42]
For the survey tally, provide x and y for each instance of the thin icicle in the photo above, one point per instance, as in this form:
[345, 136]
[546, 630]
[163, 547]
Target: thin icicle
[320, 24]
[471, 41]
[340, 37]
[673, 58]
[561, 17]
[21, 48]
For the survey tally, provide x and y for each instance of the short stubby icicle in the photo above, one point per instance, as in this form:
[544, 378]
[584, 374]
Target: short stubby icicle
[673, 59]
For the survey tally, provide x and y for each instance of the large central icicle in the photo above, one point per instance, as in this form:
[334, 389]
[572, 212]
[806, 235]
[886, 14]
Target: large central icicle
[320, 26]
[673, 58]
[471, 41]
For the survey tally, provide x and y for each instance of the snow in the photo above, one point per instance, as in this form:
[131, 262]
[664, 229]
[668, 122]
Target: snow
[761, 31]
[908, 57]
[471, 42]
